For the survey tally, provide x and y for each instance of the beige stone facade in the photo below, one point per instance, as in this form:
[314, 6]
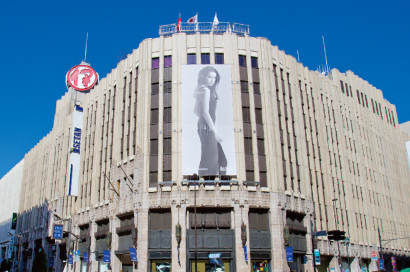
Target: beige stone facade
[326, 153]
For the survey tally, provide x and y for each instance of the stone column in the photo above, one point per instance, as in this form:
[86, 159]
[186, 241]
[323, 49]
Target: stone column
[241, 215]
[178, 216]
[116, 264]
[309, 267]
[334, 263]
[355, 267]
[143, 237]
[276, 221]
[94, 261]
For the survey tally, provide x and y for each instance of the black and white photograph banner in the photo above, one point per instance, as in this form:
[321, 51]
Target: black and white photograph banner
[208, 143]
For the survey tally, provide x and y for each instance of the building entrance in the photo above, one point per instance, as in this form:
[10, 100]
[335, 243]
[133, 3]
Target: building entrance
[207, 266]
[260, 266]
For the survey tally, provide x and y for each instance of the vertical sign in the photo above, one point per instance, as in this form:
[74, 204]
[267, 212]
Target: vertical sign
[70, 259]
[289, 254]
[75, 148]
[394, 263]
[58, 231]
[85, 256]
[14, 221]
[381, 264]
[317, 256]
[11, 244]
[246, 253]
[133, 254]
[107, 257]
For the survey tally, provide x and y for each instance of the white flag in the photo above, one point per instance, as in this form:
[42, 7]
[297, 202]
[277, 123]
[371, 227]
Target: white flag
[216, 21]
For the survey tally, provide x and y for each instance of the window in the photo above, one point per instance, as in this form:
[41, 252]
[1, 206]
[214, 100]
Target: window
[244, 86]
[168, 61]
[154, 147]
[167, 87]
[155, 63]
[191, 58]
[167, 146]
[246, 115]
[205, 58]
[248, 145]
[160, 220]
[358, 96]
[219, 58]
[207, 219]
[341, 85]
[254, 62]
[154, 88]
[256, 88]
[258, 220]
[167, 115]
[242, 60]
[154, 116]
[258, 116]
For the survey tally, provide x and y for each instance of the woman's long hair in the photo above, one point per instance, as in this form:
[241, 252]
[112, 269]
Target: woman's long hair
[202, 83]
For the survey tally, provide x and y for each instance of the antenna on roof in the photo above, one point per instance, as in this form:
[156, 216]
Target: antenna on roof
[86, 40]
[324, 47]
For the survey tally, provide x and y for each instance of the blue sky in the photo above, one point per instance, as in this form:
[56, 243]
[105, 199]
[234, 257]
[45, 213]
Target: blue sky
[41, 40]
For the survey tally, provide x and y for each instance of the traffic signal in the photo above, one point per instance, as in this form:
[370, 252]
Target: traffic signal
[63, 251]
[336, 235]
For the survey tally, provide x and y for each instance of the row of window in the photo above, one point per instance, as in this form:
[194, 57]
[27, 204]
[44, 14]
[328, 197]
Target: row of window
[362, 99]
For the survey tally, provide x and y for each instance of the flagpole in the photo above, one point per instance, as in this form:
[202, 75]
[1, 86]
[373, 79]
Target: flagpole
[197, 22]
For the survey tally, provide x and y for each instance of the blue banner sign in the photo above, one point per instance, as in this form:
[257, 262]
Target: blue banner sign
[85, 256]
[317, 256]
[381, 264]
[246, 253]
[107, 256]
[51, 262]
[58, 231]
[321, 233]
[133, 254]
[76, 140]
[70, 259]
[289, 254]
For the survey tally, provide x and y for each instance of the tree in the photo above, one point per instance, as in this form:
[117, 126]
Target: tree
[40, 261]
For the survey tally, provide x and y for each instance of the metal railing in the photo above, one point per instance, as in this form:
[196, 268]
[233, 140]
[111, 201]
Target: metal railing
[204, 27]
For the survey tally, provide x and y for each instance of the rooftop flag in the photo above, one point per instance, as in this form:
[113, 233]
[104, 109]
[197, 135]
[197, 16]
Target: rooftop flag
[179, 24]
[193, 20]
[216, 21]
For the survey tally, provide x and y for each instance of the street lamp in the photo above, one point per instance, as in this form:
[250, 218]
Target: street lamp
[338, 249]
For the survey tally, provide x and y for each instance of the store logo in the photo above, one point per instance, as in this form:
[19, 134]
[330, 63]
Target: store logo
[76, 141]
[82, 77]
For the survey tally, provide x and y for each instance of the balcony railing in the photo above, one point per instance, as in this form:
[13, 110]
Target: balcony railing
[204, 27]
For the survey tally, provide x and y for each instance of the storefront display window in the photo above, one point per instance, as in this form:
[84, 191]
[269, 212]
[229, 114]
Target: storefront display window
[259, 266]
[161, 266]
[207, 266]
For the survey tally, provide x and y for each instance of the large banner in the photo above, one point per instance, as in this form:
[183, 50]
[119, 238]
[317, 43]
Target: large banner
[75, 148]
[208, 142]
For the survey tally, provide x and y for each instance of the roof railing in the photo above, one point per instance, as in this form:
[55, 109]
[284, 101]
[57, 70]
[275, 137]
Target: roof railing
[204, 27]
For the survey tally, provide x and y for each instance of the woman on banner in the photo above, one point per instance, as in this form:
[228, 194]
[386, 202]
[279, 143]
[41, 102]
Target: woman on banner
[213, 159]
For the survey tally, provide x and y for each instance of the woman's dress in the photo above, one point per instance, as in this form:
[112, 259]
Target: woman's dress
[213, 159]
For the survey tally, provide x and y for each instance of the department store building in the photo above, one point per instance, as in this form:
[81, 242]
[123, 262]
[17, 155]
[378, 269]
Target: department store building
[128, 164]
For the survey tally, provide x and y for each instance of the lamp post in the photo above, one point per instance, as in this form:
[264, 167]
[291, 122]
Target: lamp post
[338, 249]
[195, 178]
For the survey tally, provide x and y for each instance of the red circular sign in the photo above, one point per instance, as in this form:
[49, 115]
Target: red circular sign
[82, 77]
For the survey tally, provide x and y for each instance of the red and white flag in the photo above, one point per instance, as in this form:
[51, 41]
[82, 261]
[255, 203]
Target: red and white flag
[193, 20]
[179, 24]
